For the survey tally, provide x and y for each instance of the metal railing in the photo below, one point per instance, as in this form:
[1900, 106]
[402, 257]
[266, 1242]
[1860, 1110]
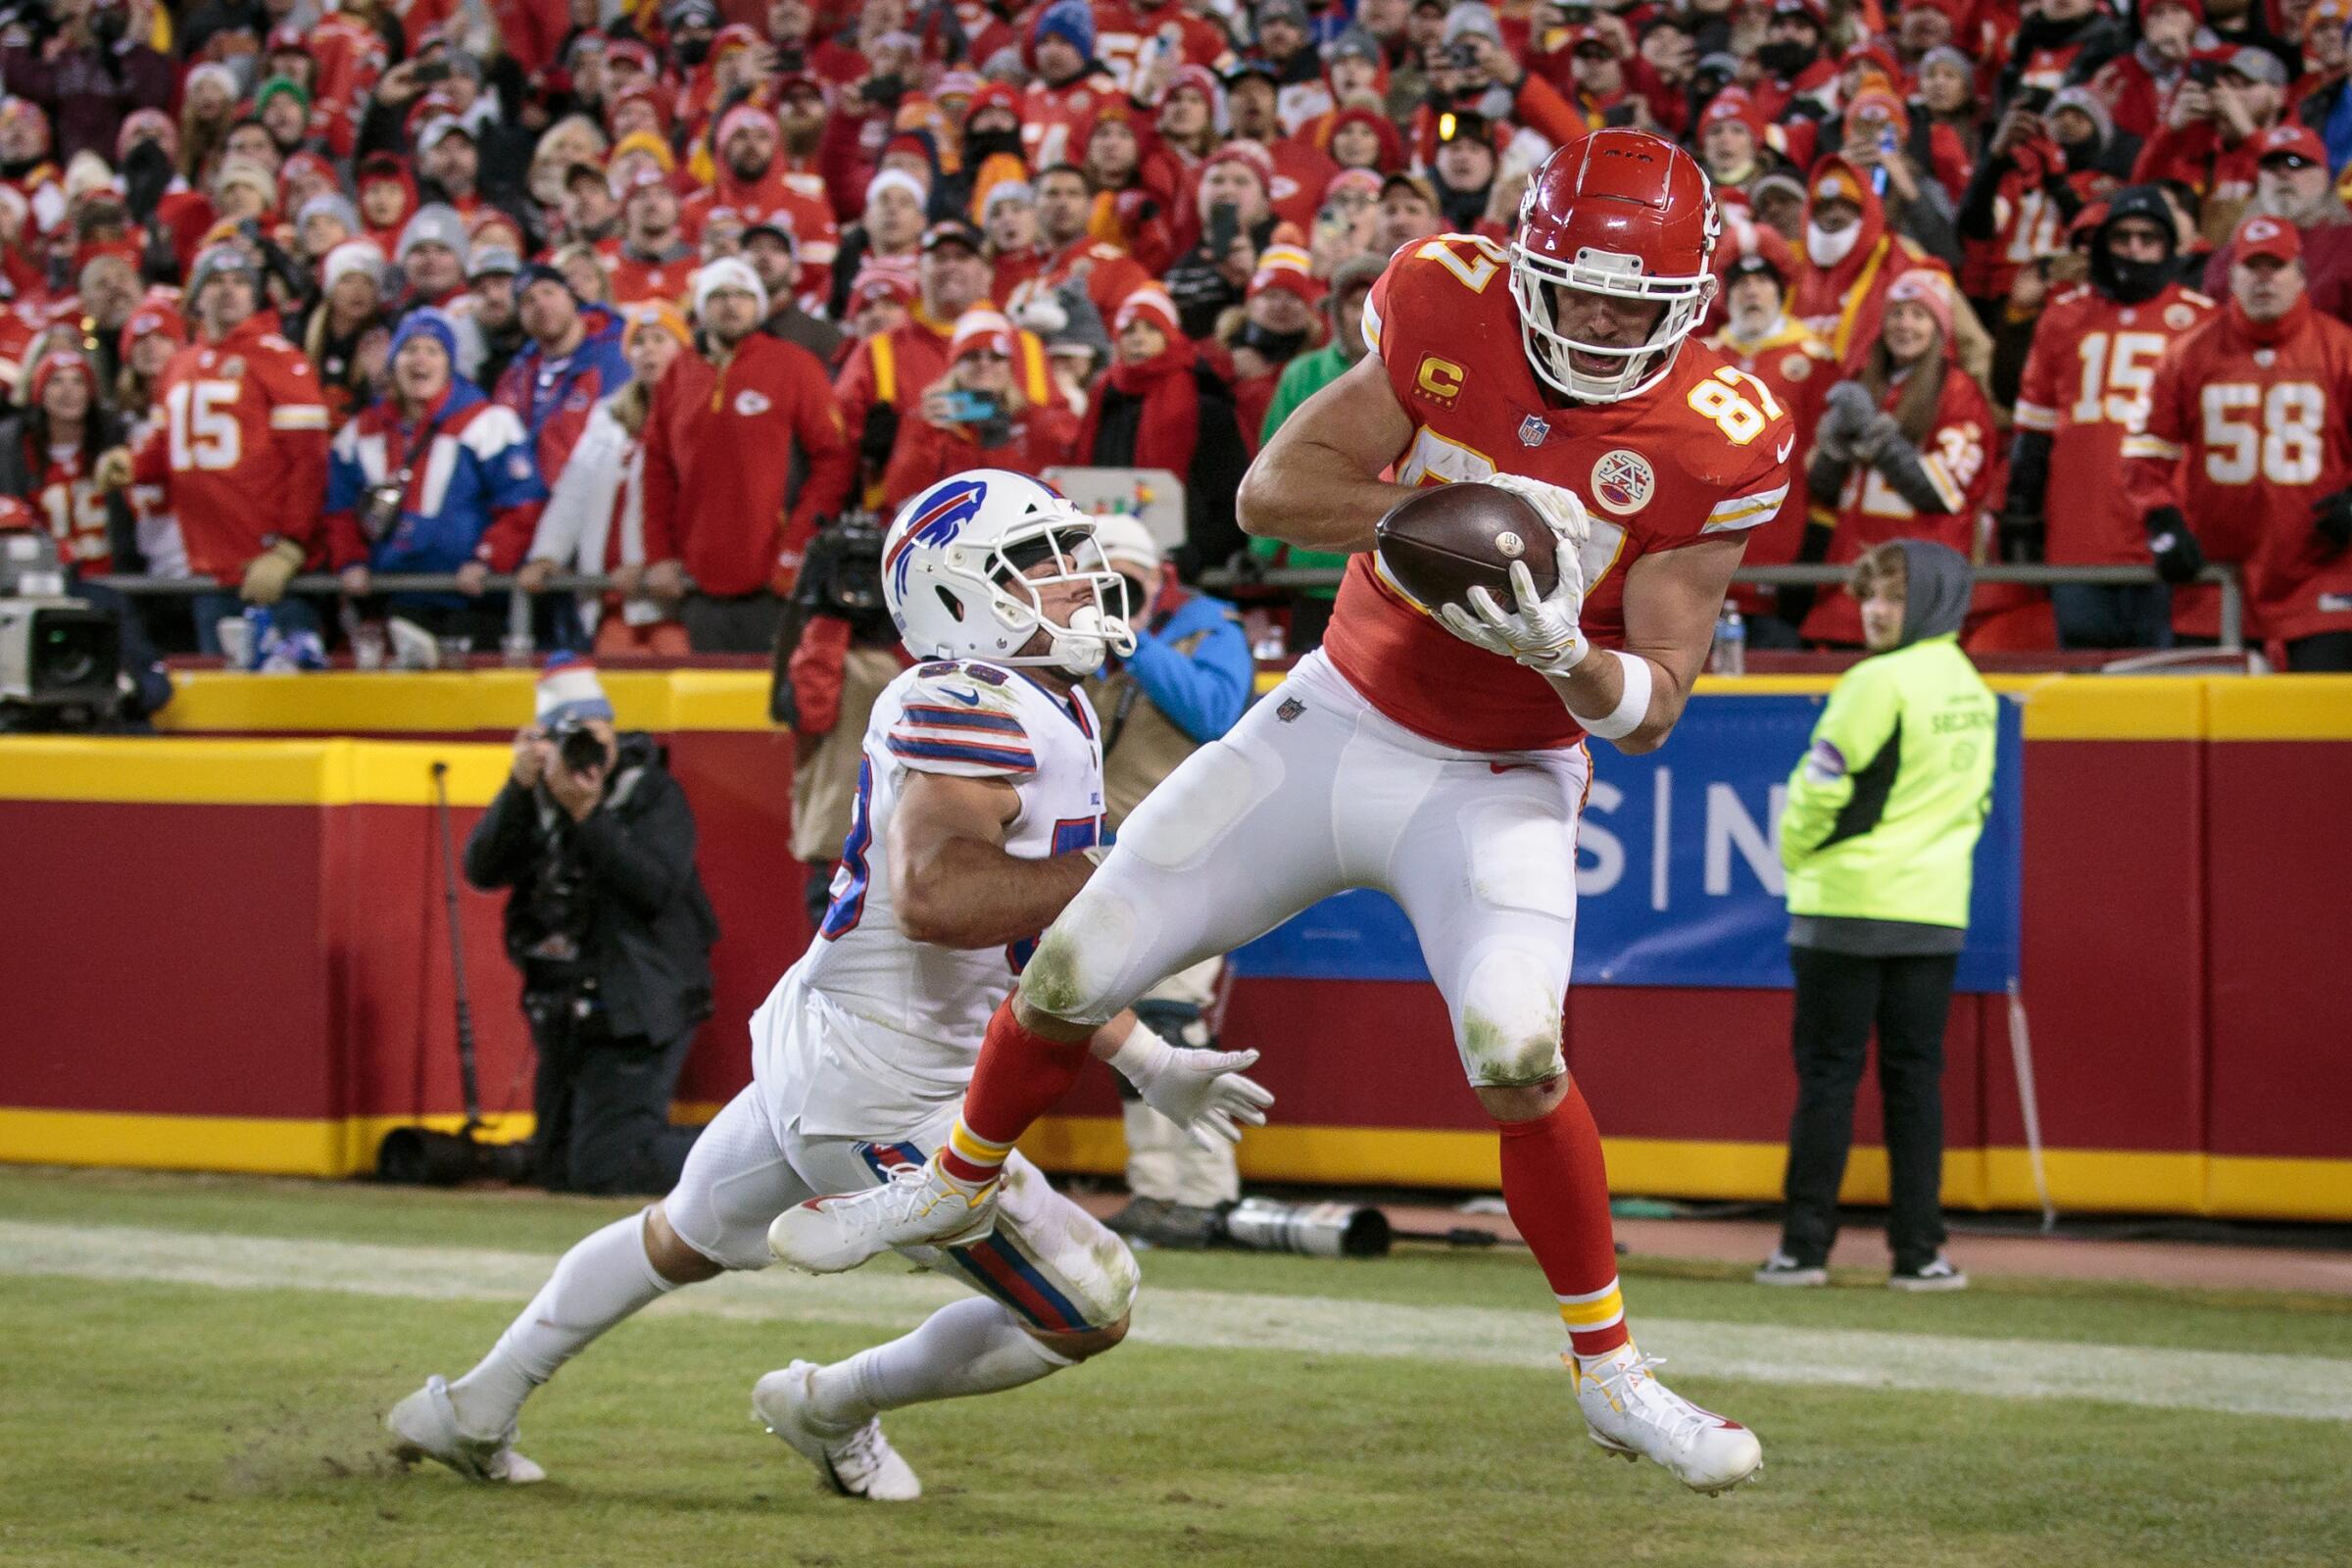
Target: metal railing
[2231, 609]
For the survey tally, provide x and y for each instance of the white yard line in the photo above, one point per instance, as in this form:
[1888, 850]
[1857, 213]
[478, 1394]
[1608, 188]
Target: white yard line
[2310, 1387]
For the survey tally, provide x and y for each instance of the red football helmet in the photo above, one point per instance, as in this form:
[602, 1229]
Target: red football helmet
[1621, 212]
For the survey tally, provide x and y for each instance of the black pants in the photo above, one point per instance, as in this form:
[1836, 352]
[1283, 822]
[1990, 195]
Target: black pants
[603, 1105]
[1838, 997]
[744, 625]
[2321, 653]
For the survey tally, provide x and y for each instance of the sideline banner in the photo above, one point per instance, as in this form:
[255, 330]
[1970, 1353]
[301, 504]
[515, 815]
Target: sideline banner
[1678, 867]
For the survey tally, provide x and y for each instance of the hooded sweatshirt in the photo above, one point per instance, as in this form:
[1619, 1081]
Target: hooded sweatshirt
[1843, 300]
[1879, 834]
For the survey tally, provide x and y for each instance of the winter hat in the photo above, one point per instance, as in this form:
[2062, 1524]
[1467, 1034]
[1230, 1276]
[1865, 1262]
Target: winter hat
[568, 692]
[363, 255]
[739, 116]
[1735, 104]
[214, 72]
[657, 315]
[1289, 269]
[1926, 290]
[873, 284]
[981, 329]
[1125, 542]
[1293, 12]
[492, 261]
[426, 322]
[899, 178]
[248, 171]
[2092, 106]
[219, 261]
[1152, 304]
[1352, 180]
[1472, 15]
[275, 85]
[645, 141]
[995, 95]
[156, 313]
[1008, 190]
[1250, 155]
[1945, 54]
[141, 124]
[728, 272]
[52, 365]
[1070, 21]
[333, 204]
[435, 223]
[438, 129]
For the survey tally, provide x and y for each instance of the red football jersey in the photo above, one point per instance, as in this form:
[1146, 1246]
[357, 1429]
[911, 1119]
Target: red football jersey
[1702, 454]
[1871, 511]
[1799, 369]
[74, 509]
[2093, 362]
[241, 447]
[2243, 436]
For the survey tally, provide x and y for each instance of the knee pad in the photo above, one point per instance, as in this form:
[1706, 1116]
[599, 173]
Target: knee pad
[1508, 1021]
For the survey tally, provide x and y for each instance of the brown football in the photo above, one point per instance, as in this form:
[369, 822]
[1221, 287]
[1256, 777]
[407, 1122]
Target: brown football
[1440, 543]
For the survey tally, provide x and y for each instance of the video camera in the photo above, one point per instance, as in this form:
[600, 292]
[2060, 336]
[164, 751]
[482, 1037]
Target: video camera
[61, 658]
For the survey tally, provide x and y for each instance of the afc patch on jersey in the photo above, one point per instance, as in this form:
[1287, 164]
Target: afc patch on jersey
[1622, 481]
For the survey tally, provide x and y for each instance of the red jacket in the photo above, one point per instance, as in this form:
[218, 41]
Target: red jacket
[925, 454]
[720, 447]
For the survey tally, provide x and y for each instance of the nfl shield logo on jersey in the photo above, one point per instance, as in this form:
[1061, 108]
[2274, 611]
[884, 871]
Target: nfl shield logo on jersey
[1622, 481]
[1533, 429]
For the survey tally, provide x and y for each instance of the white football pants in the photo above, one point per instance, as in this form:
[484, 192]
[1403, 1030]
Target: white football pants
[1313, 793]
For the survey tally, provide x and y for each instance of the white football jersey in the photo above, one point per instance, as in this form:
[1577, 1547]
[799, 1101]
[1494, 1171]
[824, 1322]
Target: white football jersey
[869, 1032]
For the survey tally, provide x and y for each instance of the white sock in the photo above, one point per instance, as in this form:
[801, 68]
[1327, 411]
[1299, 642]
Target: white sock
[603, 1280]
[966, 1347]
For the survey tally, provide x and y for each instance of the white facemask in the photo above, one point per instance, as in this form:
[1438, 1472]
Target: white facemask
[1828, 249]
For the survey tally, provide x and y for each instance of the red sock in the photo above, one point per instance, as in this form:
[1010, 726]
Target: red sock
[1557, 1190]
[1021, 1075]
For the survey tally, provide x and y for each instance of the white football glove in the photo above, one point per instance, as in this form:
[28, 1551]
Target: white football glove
[1202, 1091]
[1542, 633]
[1562, 511]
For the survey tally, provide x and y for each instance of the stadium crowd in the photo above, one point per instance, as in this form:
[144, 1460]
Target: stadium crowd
[661, 290]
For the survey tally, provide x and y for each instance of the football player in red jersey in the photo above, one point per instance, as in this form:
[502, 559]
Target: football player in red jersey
[2246, 454]
[1442, 762]
[2094, 356]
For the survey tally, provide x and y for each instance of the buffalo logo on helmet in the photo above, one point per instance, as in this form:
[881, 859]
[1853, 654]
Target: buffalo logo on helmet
[938, 519]
[1622, 481]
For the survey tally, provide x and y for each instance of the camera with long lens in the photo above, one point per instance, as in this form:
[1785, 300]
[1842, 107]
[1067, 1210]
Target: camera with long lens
[60, 657]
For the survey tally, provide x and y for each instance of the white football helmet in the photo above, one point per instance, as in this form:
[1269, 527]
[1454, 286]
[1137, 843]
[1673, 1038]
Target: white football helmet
[956, 573]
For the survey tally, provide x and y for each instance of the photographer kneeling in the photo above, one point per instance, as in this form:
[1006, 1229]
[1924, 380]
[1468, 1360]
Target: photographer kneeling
[610, 926]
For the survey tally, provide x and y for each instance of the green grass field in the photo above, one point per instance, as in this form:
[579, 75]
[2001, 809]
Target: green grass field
[194, 1370]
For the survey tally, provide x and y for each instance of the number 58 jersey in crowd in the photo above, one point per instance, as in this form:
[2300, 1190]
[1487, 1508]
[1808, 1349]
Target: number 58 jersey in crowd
[1702, 454]
[871, 1033]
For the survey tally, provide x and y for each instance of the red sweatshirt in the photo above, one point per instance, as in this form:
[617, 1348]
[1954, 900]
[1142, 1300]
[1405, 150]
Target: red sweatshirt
[718, 450]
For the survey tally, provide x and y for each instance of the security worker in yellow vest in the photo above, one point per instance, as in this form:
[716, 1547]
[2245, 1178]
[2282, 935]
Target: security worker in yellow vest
[1878, 839]
[1185, 683]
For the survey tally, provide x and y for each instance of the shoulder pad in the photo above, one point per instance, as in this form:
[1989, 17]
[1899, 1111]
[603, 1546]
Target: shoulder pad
[2203, 301]
[986, 674]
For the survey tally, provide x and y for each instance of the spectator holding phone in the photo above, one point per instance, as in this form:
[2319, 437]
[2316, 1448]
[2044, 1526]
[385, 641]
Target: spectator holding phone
[976, 416]
[2212, 135]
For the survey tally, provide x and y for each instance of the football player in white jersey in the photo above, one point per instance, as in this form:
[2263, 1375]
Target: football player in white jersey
[980, 795]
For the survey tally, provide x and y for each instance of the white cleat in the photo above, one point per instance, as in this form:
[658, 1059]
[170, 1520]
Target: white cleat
[857, 1463]
[1632, 1416]
[920, 1205]
[426, 1425]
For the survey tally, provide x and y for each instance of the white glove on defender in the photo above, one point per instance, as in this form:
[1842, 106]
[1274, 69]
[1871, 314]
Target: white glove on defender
[1202, 1091]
